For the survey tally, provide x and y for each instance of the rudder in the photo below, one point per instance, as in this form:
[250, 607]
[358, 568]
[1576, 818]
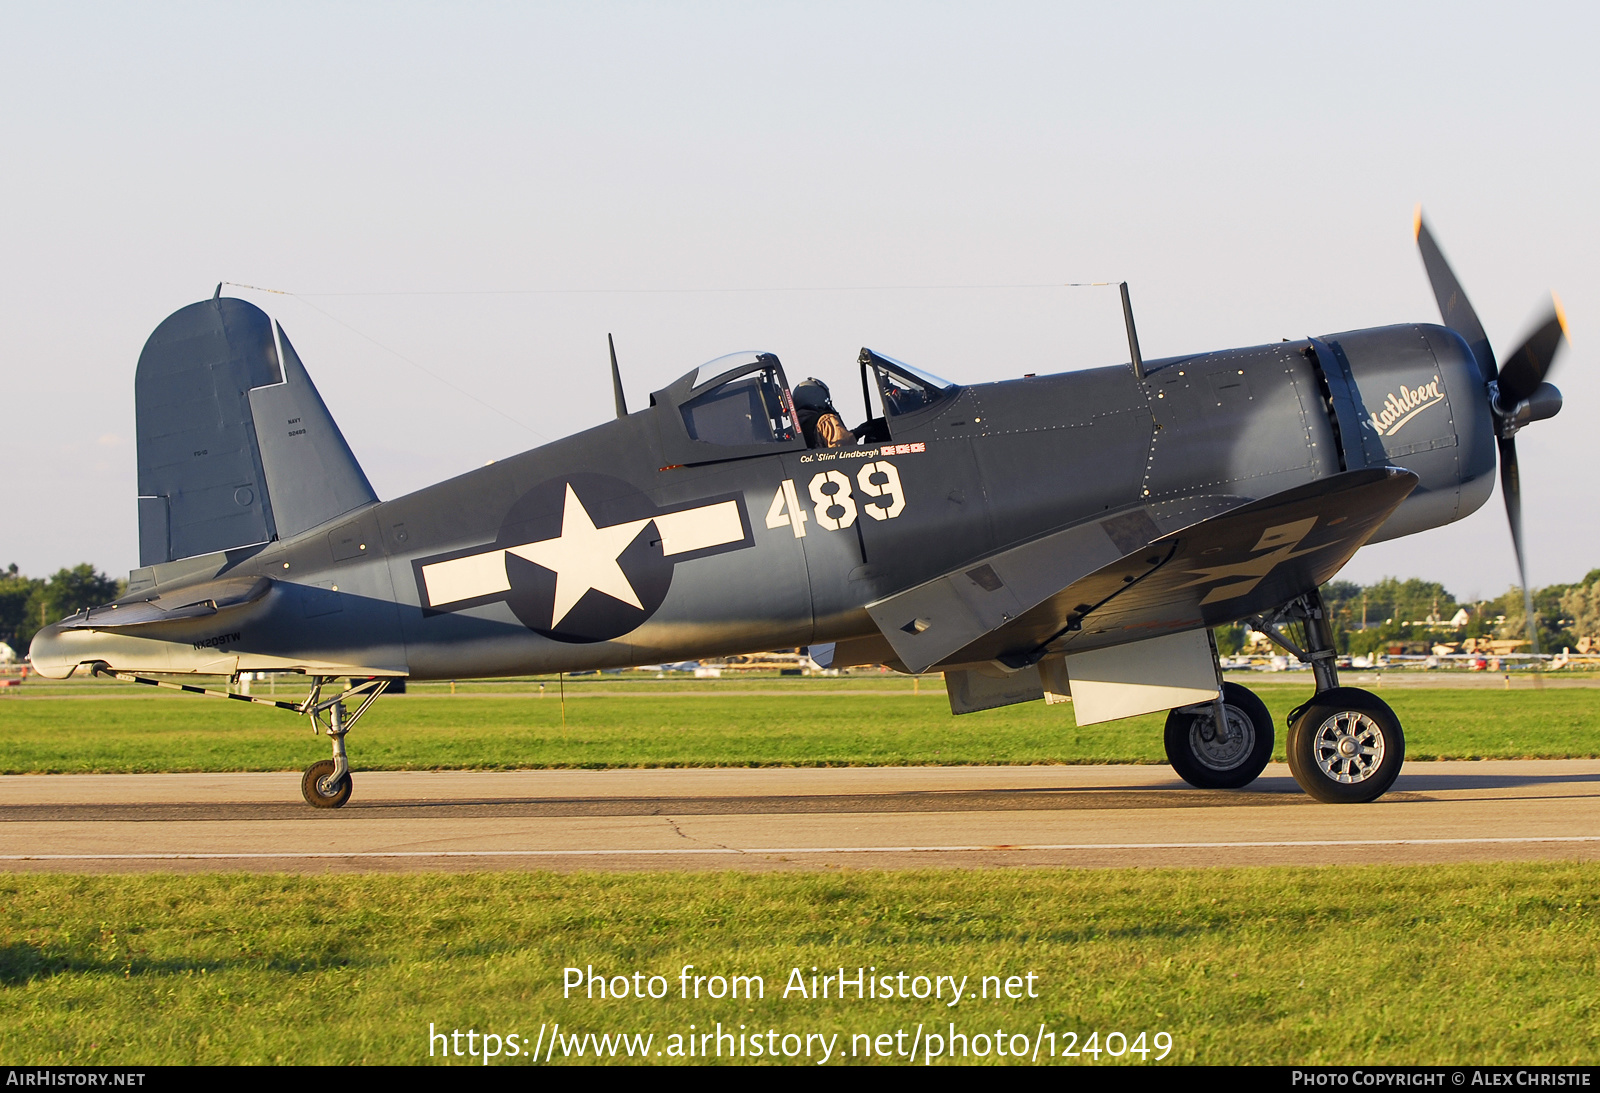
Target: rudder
[312, 475]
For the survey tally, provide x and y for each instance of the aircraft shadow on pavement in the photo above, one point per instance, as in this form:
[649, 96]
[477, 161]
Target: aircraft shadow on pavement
[1277, 791]
[1432, 782]
[1160, 793]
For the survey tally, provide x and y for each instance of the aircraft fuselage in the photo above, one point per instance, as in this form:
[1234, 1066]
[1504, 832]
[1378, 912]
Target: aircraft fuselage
[606, 549]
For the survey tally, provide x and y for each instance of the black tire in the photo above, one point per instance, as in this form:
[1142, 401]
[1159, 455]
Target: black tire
[1201, 760]
[314, 796]
[1346, 746]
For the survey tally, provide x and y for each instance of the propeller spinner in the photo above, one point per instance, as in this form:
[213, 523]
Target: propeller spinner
[1518, 394]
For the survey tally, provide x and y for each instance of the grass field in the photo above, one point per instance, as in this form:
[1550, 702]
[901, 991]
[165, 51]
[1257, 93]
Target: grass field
[1441, 964]
[845, 721]
[1470, 964]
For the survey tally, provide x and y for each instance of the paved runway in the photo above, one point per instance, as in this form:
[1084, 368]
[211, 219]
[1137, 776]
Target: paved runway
[789, 818]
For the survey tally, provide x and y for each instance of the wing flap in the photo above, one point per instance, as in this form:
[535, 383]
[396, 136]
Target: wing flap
[1141, 677]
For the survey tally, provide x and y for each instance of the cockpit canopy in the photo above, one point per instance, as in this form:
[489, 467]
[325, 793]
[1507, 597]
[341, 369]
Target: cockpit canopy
[746, 403]
[744, 409]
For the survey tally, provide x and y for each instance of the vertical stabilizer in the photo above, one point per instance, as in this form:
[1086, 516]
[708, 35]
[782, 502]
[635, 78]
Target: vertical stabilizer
[312, 475]
[201, 485]
[235, 445]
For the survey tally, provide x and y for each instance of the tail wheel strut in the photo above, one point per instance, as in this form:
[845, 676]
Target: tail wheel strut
[327, 784]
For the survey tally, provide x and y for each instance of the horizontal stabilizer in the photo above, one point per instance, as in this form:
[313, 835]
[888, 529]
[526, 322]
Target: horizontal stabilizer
[194, 602]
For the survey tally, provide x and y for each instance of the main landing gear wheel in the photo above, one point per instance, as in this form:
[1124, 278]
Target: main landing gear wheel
[316, 790]
[1211, 760]
[1345, 746]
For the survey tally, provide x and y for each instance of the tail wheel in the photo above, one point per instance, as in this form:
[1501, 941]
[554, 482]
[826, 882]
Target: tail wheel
[318, 793]
[1346, 746]
[1228, 760]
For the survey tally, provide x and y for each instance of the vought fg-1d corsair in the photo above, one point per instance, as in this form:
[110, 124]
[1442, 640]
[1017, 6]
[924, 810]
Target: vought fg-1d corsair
[1076, 534]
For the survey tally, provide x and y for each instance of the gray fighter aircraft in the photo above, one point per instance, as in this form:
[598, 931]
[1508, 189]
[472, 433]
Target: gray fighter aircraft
[1043, 537]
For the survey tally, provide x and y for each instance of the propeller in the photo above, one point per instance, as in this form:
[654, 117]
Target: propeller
[1518, 393]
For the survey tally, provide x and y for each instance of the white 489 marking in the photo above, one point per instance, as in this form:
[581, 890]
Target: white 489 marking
[834, 506]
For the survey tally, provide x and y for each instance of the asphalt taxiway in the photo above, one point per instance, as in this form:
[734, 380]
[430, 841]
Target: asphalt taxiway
[788, 818]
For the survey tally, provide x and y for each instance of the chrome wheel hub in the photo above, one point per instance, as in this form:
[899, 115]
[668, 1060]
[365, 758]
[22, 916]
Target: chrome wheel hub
[1348, 747]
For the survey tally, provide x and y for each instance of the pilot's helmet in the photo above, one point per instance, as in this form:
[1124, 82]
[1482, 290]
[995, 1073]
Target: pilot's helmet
[812, 394]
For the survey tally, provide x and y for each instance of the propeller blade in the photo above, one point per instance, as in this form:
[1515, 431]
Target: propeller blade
[1454, 307]
[1527, 367]
[1511, 487]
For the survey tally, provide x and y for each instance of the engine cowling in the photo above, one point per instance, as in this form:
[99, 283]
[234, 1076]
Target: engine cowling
[1412, 396]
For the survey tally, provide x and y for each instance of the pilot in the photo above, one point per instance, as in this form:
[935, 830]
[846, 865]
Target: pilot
[819, 421]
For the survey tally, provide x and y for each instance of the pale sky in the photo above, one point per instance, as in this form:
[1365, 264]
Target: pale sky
[434, 182]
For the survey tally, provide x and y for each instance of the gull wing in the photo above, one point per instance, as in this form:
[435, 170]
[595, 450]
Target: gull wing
[1082, 588]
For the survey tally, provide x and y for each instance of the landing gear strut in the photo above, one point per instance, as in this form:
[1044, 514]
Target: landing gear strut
[327, 784]
[1345, 745]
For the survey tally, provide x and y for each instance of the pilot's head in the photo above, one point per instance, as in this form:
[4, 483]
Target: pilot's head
[812, 394]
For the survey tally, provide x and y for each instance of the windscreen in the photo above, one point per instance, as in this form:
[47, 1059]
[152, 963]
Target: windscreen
[903, 387]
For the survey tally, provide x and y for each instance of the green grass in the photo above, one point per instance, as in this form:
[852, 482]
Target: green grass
[1453, 964]
[611, 723]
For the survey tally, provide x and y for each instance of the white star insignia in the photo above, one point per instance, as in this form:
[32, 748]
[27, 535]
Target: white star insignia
[584, 557]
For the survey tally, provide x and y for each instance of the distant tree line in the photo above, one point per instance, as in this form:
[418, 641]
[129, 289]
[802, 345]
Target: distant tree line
[1372, 618]
[28, 603]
